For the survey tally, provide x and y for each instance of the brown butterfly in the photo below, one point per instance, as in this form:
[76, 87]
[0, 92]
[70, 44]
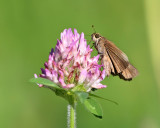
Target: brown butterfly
[115, 61]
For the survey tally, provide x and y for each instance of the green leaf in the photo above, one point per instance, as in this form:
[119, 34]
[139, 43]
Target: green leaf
[67, 95]
[93, 95]
[94, 107]
[44, 82]
[82, 96]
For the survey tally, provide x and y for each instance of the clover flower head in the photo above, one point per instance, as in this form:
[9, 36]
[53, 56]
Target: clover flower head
[71, 65]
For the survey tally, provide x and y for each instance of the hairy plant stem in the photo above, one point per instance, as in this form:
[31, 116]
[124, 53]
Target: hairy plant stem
[71, 117]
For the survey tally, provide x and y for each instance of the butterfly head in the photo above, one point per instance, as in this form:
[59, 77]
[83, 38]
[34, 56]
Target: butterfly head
[95, 37]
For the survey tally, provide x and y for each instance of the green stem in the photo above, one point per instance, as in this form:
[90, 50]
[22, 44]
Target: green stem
[71, 116]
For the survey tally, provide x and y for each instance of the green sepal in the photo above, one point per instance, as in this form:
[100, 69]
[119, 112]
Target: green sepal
[79, 88]
[67, 95]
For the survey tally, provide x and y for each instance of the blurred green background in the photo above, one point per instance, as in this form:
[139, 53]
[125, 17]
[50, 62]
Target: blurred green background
[30, 28]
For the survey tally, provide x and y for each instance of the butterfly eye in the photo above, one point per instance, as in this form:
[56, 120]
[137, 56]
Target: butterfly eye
[97, 35]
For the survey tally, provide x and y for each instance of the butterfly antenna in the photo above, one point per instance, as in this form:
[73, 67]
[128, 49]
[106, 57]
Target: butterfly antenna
[94, 29]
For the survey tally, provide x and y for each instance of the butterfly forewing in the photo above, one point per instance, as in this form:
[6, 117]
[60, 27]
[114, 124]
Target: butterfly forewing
[129, 73]
[118, 58]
